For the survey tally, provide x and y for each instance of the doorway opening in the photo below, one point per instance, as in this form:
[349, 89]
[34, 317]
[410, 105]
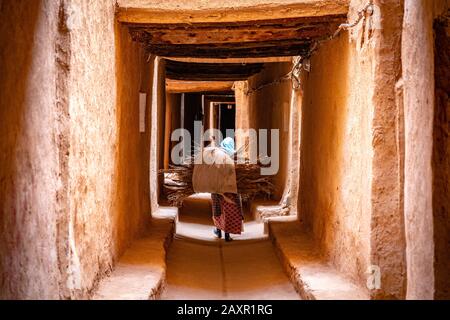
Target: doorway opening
[227, 121]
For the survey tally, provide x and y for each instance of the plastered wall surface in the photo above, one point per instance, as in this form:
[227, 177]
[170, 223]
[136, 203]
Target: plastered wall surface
[351, 161]
[92, 142]
[132, 200]
[335, 156]
[70, 201]
[421, 123]
[29, 170]
[269, 108]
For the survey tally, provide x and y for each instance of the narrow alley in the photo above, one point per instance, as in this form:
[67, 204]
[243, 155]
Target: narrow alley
[241, 271]
[214, 150]
[199, 266]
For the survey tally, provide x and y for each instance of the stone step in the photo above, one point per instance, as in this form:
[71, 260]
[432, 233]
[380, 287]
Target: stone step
[141, 272]
[313, 277]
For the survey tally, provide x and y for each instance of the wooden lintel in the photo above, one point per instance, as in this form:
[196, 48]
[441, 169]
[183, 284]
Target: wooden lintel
[176, 86]
[179, 11]
[274, 51]
[211, 71]
[232, 60]
[209, 77]
[225, 36]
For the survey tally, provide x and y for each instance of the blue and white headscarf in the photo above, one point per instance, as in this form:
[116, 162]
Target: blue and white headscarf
[227, 145]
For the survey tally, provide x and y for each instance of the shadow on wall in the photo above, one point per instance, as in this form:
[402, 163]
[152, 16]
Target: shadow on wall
[441, 162]
[132, 202]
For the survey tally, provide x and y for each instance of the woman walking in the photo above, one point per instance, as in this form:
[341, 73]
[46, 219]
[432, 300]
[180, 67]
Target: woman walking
[227, 207]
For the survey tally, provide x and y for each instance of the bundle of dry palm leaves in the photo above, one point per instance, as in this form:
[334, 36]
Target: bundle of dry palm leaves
[250, 183]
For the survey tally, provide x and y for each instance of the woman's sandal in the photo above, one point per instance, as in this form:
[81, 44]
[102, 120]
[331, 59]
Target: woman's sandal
[218, 233]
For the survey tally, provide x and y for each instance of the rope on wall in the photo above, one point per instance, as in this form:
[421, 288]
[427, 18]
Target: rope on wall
[304, 62]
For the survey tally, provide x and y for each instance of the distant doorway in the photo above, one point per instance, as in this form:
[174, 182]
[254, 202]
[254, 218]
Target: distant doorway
[227, 119]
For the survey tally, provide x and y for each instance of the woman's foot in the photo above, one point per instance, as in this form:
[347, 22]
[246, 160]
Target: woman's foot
[228, 238]
[218, 233]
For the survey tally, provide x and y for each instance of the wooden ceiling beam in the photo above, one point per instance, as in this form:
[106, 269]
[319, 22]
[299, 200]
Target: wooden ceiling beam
[272, 23]
[226, 53]
[231, 50]
[228, 45]
[176, 66]
[282, 37]
[231, 60]
[198, 11]
[270, 30]
[208, 77]
[277, 36]
[211, 71]
[176, 86]
[222, 36]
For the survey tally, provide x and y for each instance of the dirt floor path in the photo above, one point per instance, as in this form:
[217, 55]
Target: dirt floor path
[202, 267]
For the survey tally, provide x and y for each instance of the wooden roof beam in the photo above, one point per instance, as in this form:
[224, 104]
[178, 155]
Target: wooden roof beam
[231, 60]
[197, 11]
[230, 50]
[211, 71]
[176, 86]
[221, 53]
[255, 31]
[209, 77]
